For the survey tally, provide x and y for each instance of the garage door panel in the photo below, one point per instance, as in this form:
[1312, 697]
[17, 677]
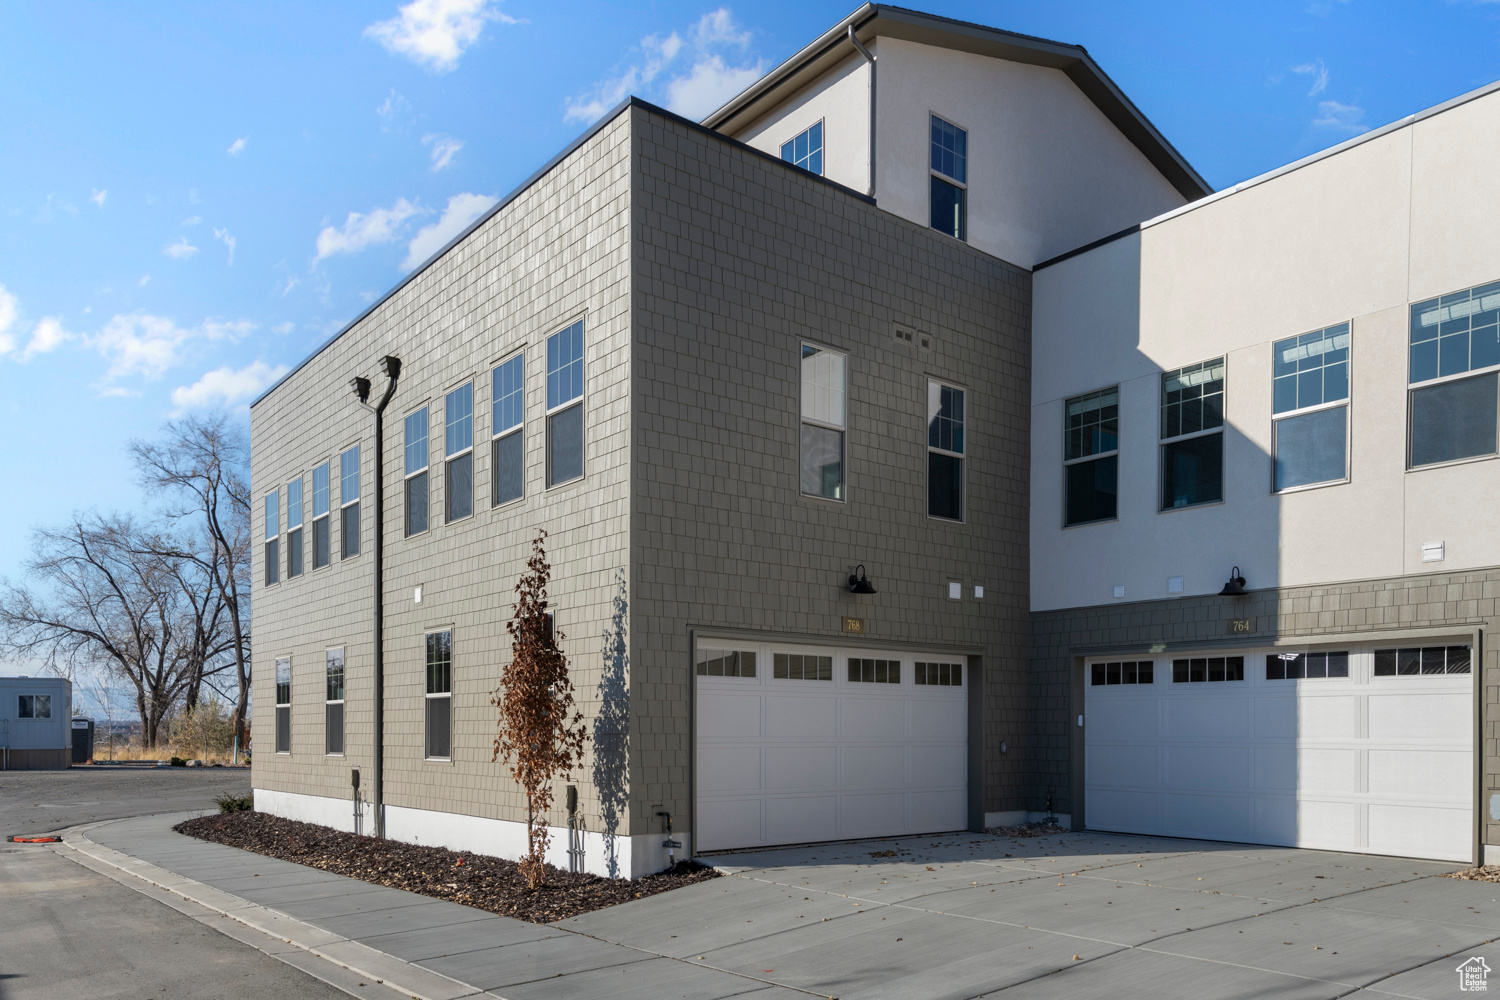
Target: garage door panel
[1420, 831]
[1327, 825]
[729, 769]
[802, 819]
[801, 767]
[937, 718]
[725, 823]
[872, 718]
[810, 716]
[938, 766]
[1420, 715]
[1125, 765]
[1275, 819]
[1328, 770]
[940, 810]
[1274, 768]
[1419, 773]
[1113, 718]
[1207, 767]
[872, 767]
[872, 815]
[1126, 812]
[1328, 717]
[1193, 717]
[730, 716]
[1275, 716]
[1215, 817]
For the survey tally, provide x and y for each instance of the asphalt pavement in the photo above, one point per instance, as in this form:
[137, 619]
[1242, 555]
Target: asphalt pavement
[43, 801]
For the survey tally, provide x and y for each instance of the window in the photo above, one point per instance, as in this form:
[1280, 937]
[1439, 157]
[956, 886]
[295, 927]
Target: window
[284, 705]
[941, 674]
[34, 706]
[863, 671]
[798, 667]
[333, 706]
[806, 150]
[1294, 666]
[1452, 335]
[564, 416]
[823, 378]
[458, 441]
[440, 695]
[273, 532]
[1423, 660]
[349, 499]
[294, 528]
[416, 473]
[1125, 672]
[1091, 455]
[507, 450]
[1212, 668]
[1192, 434]
[945, 451]
[950, 176]
[726, 663]
[1310, 389]
[320, 516]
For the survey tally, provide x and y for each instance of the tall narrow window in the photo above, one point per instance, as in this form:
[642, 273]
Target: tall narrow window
[823, 418]
[945, 451]
[806, 149]
[565, 405]
[440, 695]
[349, 502]
[950, 179]
[333, 705]
[1454, 417]
[284, 705]
[1091, 455]
[1192, 435]
[294, 528]
[273, 534]
[458, 439]
[1310, 390]
[416, 472]
[507, 446]
[320, 546]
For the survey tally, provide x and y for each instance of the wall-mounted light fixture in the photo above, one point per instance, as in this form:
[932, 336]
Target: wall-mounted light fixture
[1236, 585]
[858, 582]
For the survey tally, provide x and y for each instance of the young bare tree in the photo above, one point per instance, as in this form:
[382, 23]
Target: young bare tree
[536, 736]
[201, 469]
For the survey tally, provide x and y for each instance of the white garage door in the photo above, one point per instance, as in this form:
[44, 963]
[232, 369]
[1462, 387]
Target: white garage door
[1365, 749]
[799, 744]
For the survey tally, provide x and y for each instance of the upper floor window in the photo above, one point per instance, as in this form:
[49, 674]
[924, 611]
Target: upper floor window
[320, 516]
[950, 178]
[458, 473]
[273, 532]
[294, 528]
[1454, 418]
[1192, 435]
[806, 150]
[945, 451]
[416, 472]
[823, 380]
[565, 405]
[1310, 392]
[1091, 456]
[508, 448]
[349, 502]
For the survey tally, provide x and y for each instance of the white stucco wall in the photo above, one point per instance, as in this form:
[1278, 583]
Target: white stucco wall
[1047, 171]
[1356, 236]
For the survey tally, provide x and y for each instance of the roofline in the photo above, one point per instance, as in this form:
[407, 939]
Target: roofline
[589, 133]
[1282, 171]
[872, 20]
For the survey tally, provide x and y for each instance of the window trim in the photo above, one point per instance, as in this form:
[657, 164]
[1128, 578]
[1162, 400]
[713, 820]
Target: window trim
[518, 428]
[426, 469]
[844, 430]
[580, 401]
[1162, 441]
[1069, 462]
[962, 456]
[448, 459]
[428, 697]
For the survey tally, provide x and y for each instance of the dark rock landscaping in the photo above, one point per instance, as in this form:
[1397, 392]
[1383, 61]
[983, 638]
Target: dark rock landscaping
[477, 880]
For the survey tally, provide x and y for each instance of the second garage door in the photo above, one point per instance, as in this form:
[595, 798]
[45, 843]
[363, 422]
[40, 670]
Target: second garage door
[797, 744]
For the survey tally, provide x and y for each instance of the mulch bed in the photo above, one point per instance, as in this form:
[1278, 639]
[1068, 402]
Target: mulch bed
[1490, 874]
[477, 880]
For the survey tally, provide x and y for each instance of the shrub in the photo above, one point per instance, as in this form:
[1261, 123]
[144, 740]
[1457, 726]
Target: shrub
[235, 803]
[178, 762]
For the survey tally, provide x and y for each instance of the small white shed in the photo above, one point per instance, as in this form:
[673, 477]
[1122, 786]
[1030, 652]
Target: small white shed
[34, 717]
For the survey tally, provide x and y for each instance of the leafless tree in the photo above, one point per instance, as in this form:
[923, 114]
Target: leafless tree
[201, 470]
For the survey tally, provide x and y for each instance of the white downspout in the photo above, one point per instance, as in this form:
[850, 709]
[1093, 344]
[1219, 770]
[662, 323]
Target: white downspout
[870, 58]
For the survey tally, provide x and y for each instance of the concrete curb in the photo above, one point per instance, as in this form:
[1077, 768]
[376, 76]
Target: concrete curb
[346, 954]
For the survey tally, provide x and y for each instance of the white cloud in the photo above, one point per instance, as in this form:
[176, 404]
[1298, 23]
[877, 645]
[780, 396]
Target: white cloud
[282, 329]
[443, 149]
[222, 235]
[192, 220]
[7, 317]
[145, 280]
[237, 146]
[1319, 74]
[98, 197]
[139, 344]
[226, 386]
[707, 83]
[1341, 117]
[181, 250]
[392, 110]
[359, 231]
[462, 209]
[46, 337]
[434, 33]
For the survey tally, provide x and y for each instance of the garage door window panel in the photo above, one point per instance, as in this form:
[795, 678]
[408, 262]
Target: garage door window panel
[871, 671]
[802, 667]
[1299, 666]
[726, 663]
[1124, 672]
[1420, 661]
[940, 674]
[1199, 669]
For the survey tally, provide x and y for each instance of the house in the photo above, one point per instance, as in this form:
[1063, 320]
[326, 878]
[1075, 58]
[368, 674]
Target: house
[34, 717]
[785, 388]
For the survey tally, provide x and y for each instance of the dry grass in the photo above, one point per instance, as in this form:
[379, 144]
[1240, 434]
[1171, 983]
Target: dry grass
[132, 749]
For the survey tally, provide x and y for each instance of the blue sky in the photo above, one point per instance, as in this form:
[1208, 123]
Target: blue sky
[193, 196]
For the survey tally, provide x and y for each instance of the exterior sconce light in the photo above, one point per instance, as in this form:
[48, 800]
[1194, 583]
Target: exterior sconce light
[361, 387]
[859, 583]
[1236, 585]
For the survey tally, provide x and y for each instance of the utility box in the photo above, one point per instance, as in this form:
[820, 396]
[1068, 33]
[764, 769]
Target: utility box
[83, 740]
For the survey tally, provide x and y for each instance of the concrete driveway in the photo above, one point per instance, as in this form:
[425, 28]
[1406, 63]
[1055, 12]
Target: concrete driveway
[1079, 915]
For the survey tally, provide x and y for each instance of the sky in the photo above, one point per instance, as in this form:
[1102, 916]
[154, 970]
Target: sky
[194, 196]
